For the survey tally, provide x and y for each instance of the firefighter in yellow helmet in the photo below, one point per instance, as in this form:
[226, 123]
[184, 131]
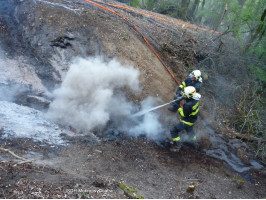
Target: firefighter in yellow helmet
[189, 113]
[194, 79]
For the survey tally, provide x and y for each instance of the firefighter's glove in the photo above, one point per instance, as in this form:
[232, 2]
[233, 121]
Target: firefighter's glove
[178, 91]
[179, 98]
[176, 97]
[178, 105]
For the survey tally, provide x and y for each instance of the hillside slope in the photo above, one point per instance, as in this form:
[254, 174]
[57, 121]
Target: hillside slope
[38, 41]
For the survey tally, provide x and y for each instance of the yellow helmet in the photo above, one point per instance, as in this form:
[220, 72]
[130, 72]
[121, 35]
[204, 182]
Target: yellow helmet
[189, 91]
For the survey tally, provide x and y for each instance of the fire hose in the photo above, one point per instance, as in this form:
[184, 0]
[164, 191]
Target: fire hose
[177, 99]
[146, 41]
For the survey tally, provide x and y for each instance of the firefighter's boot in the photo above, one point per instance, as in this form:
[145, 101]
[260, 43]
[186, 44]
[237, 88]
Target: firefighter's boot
[175, 146]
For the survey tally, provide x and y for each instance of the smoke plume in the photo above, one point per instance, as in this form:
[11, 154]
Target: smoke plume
[92, 95]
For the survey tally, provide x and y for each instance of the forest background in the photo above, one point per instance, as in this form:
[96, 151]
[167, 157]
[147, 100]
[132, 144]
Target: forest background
[235, 59]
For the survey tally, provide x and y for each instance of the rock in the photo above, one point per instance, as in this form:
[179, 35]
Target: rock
[191, 188]
[37, 102]
[205, 77]
[99, 183]
[62, 41]
[69, 36]
[243, 156]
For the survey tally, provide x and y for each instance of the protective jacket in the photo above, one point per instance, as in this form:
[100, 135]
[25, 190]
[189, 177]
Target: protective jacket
[188, 82]
[189, 112]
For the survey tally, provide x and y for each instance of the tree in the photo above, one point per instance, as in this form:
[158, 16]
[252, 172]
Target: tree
[192, 11]
[241, 3]
[184, 9]
[221, 18]
[259, 31]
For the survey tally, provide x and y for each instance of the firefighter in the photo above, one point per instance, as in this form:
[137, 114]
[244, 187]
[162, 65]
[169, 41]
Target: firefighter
[188, 112]
[194, 79]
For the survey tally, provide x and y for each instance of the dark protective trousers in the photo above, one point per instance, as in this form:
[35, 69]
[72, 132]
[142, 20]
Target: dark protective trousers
[180, 127]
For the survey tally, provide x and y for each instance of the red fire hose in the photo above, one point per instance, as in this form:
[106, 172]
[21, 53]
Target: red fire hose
[129, 23]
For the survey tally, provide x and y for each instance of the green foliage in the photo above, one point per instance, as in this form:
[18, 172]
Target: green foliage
[85, 11]
[130, 192]
[239, 181]
[245, 19]
[210, 15]
[259, 49]
[84, 196]
[149, 4]
[136, 3]
[250, 107]
[242, 17]
[125, 36]
[146, 4]
[258, 73]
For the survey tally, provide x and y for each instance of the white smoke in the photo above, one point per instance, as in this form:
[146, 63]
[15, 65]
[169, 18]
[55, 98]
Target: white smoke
[150, 124]
[92, 94]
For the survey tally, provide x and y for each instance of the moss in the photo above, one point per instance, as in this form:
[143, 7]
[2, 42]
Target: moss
[239, 181]
[130, 192]
[125, 35]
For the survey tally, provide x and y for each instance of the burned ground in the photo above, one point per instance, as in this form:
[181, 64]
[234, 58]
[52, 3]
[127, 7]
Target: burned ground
[153, 171]
[38, 40]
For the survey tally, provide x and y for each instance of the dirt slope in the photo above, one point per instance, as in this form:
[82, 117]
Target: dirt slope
[54, 34]
[38, 39]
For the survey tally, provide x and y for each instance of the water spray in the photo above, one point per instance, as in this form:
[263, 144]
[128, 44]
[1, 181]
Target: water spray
[155, 108]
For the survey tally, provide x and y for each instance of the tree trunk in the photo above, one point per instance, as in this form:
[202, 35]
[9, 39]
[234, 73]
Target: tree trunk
[184, 9]
[192, 12]
[241, 3]
[221, 18]
[203, 4]
[202, 7]
[257, 32]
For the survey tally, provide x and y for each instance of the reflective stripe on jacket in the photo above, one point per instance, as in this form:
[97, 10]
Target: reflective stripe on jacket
[189, 112]
[188, 82]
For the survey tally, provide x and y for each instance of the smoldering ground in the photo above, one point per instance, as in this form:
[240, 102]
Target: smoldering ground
[92, 95]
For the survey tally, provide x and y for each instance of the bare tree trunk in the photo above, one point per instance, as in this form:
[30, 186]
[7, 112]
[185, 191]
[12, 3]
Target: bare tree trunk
[203, 4]
[221, 18]
[193, 9]
[257, 32]
[202, 7]
[184, 9]
[261, 35]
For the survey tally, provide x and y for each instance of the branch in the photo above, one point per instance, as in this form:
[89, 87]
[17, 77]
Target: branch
[248, 138]
[15, 155]
[221, 18]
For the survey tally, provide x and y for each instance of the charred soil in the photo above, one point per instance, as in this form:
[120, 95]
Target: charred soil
[83, 171]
